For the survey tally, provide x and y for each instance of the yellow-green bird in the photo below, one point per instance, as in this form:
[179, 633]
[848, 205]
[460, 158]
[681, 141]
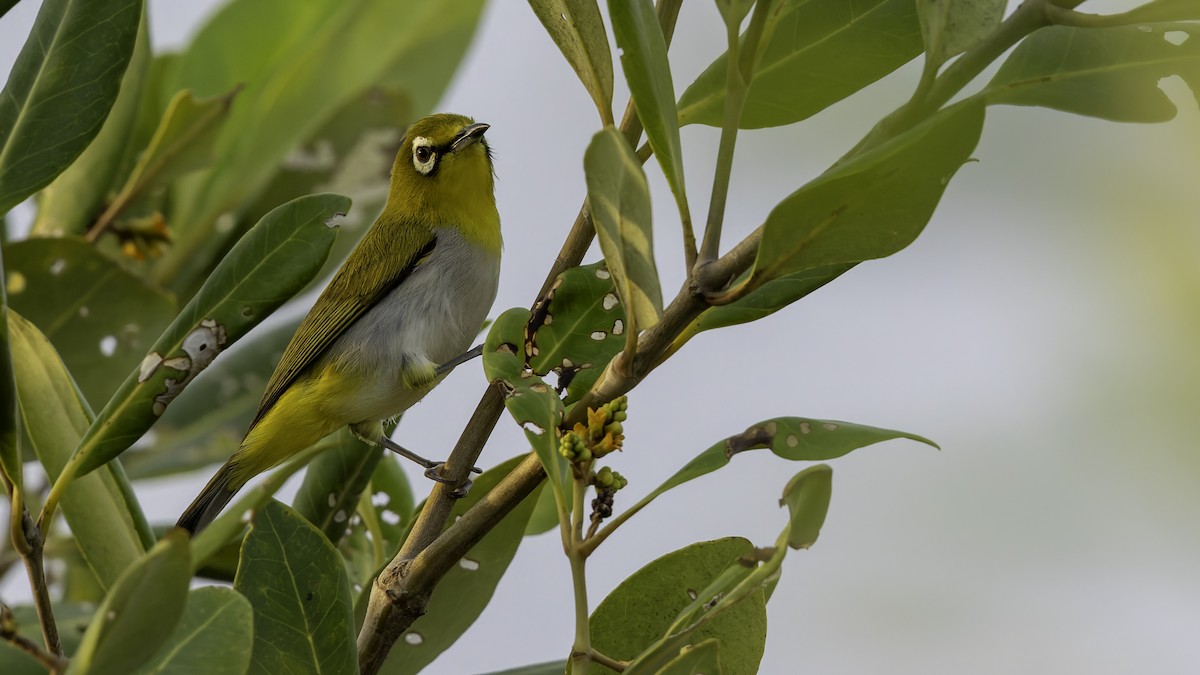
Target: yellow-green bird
[410, 297]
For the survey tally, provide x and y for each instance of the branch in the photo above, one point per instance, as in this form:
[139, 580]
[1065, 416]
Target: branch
[27, 540]
[8, 632]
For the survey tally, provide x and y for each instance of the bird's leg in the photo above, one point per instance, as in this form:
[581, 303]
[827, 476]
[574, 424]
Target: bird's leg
[453, 363]
[373, 433]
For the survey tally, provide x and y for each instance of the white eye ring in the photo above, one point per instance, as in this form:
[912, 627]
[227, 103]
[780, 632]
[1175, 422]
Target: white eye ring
[424, 155]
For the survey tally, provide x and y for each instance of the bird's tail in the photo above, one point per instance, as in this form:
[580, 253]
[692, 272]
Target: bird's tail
[211, 500]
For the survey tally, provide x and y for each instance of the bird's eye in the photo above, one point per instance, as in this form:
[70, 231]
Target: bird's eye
[423, 154]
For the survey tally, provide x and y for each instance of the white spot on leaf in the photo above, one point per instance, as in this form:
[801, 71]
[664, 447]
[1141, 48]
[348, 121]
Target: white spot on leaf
[603, 274]
[792, 441]
[1176, 37]
[610, 300]
[413, 639]
[332, 499]
[599, 335]
[805, 428]
[108, 345]
[57, 267]
[618, 327]
[829, 426]
[84, 311]
[340, 516]
[468, 564]
[533, 428]
[390, 517]
[149, 365]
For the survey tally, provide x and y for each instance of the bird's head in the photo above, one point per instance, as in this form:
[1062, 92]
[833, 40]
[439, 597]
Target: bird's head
[443, 172]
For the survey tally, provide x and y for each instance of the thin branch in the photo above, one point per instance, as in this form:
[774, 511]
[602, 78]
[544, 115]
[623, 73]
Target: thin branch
[8, 632]
[27, 540]
[608, 661]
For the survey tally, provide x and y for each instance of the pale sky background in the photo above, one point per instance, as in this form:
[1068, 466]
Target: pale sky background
[1044, 330]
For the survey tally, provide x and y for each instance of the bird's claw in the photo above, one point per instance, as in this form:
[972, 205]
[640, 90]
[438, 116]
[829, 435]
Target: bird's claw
[436, 473]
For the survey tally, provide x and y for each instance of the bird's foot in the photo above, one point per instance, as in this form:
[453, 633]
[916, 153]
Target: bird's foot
[434, 471]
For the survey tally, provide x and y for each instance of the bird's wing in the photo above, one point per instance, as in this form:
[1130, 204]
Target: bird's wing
[375, 269]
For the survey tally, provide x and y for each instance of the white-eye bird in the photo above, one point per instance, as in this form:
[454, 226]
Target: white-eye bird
[410, 297]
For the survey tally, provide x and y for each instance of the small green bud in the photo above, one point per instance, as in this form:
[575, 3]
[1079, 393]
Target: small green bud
[604, 477]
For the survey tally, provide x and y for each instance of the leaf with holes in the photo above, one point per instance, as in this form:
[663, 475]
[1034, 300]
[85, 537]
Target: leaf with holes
[648, 73]
[100, 317]
[215, 634]
[193, 433]
[577, 329]
[297, 584]
[620, 201]
[532, 403]
[333, 483]
[873, 205]
[1110, 73]
[54, 417]
[61, 89]
[951, 27]
[799, 439]
[462, 595]
[642, 608]
[816, 53]
[139, 612]
[578, 30]
[273, 261]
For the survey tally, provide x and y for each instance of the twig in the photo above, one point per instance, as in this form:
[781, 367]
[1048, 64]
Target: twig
[8, 633]
[29, 543]
[608, 661]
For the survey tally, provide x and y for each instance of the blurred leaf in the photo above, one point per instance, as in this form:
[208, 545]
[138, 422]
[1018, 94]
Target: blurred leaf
[72, 619]
[55, 416]
[297, 585]
[648, 74]
[333, 483]
[734, 11]
[578, 29]
[620, 201]
[799, 439]
[1110, 73]
[11, 462]
[644, 606]
[462, 595]
[70, 203]
[182, 143]
[531, 402]
[139, 612]
[269, 264]
[1164, 10]
[545, 515]
[951, 27]
[549, 668]
[101, 318]
[702, 659]
[215, 634]
[577, 329]
[763, 301]
[872, 205]
[818, 53]
[205, 424]
[313, 61]
[61, 88]
[807, 498]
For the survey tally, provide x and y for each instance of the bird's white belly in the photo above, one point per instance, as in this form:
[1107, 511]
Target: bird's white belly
[430, 318]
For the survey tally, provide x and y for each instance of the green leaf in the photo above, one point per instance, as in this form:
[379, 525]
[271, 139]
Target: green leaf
[333, 483]
[799, 439]
[215, 634]
[951, 27]
[578, 30]
[11, 462]
[54, 416]
[1110, 73]
[818, 53]
[870, 206]
[139, 612]
[577, 329]
[648, 73]
[269, 264]
[545, 515]
[640, 610]
[807, 498]
[462, 595]
[620, 202]
[532, 403]
[100, 317]
[194, 433]
[702, 659]
[297, 585]
[1164, 10]
[314, 60]
[70, 203]
[763, 301]
[61, 88]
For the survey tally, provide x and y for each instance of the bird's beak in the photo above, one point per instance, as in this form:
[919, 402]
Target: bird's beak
[468, 135]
